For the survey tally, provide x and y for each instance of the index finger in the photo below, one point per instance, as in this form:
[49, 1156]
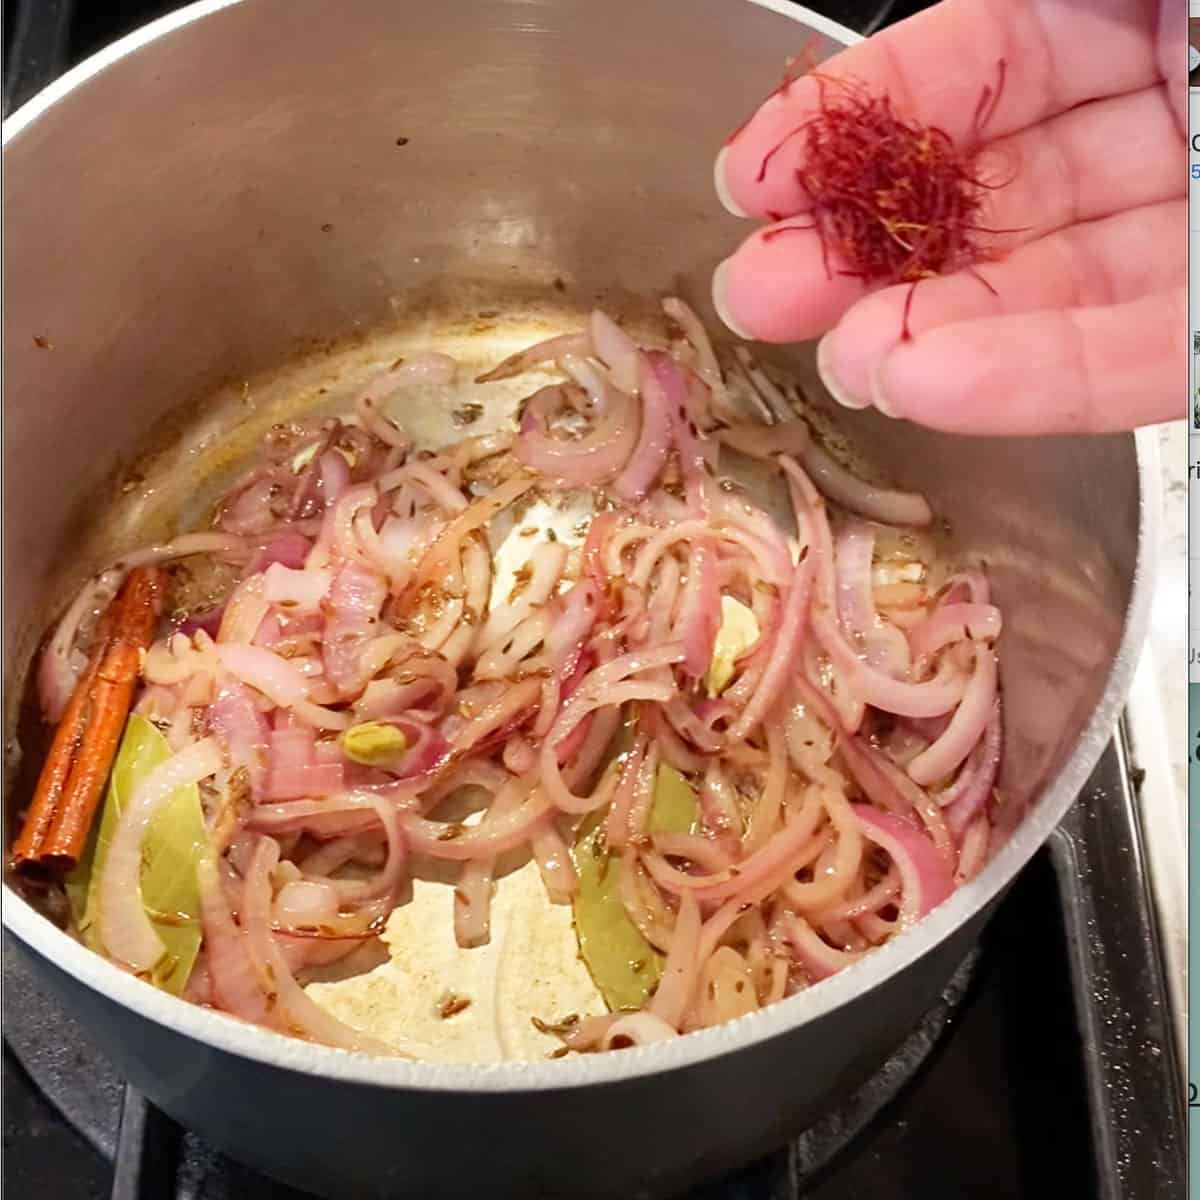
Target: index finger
[935, 67]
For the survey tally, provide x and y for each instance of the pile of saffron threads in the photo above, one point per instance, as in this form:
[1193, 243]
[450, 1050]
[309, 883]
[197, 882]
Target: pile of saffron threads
[891, 200]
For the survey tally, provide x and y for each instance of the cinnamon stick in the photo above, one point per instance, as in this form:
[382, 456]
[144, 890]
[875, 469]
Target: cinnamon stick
[81, 754]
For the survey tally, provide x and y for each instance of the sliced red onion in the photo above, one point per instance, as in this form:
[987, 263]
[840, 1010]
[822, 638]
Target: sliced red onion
[513, 703]
[545, 567]
[970, 585]
[810, 738]
[335, 476]
[685, 427]
[580, 706]
[242, 728]
[673, 997]
[767, 538]
[237, 986]
[727, 988]
[705, 852]
[966, 726]
[518, 755]
[929, 699]
[299, 782]
[769, 398]
[503, 660]
[347, 815]
[766, 441]
[280, 681]
[473, 894]
[768, 813]
[975, 841]
[636, 1029]
[654, 439]
[953, 623]
[554, 864]
[430, 369]
[883, 646]
[594, 458]
[305, 904]
[440, 490]
[473, 903]
[245, 611]
[580, 771]
[866, 499]
[402, 538]
[707, 366]
[835, 856]
[308, 494]
[295, 1010]
[337, 527]
[299, 591]
[445, 552]
[417, 682]
[875, 898]
[353, 892]
[248, 508]
[755, 876]
[356, 597]
[720, 811]
[925, 878]
[571, 622]
[783, 649]
[475, 582]
[494, 835]
[125, 928]
[208, 619]
[688, 723]
[541, 352]
[819, 959]
[655, 547]
[606, 686]
[616, 349]
[61, 665]
[643, 903]
[699, 616]
[617, 824]
[290, 548]
[222, 545]
[970, 792]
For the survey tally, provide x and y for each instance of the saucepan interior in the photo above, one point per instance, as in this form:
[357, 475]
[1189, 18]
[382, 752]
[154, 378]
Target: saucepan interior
[238, 213]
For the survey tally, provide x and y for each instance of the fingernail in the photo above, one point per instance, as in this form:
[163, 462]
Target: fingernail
[833, 385]
[878, 395]
[727, 201]
[720, 300]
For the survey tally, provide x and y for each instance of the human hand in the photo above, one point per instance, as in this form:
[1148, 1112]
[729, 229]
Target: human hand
[1086, 330]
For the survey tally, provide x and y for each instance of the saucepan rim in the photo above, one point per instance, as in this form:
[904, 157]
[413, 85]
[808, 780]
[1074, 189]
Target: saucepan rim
[276, 1050]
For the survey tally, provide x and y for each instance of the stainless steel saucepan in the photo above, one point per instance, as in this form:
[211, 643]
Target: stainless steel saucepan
[246, 203]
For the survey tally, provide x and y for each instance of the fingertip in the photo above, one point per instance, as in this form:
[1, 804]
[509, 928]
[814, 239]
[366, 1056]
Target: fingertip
[720, 299]
[831, 375]
[721, 184]
[756, 171]
[775, 288]
[881, 399]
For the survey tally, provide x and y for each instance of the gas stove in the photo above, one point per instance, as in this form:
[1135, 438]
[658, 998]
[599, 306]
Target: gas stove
[1051, 1065]
[1048, 1068]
